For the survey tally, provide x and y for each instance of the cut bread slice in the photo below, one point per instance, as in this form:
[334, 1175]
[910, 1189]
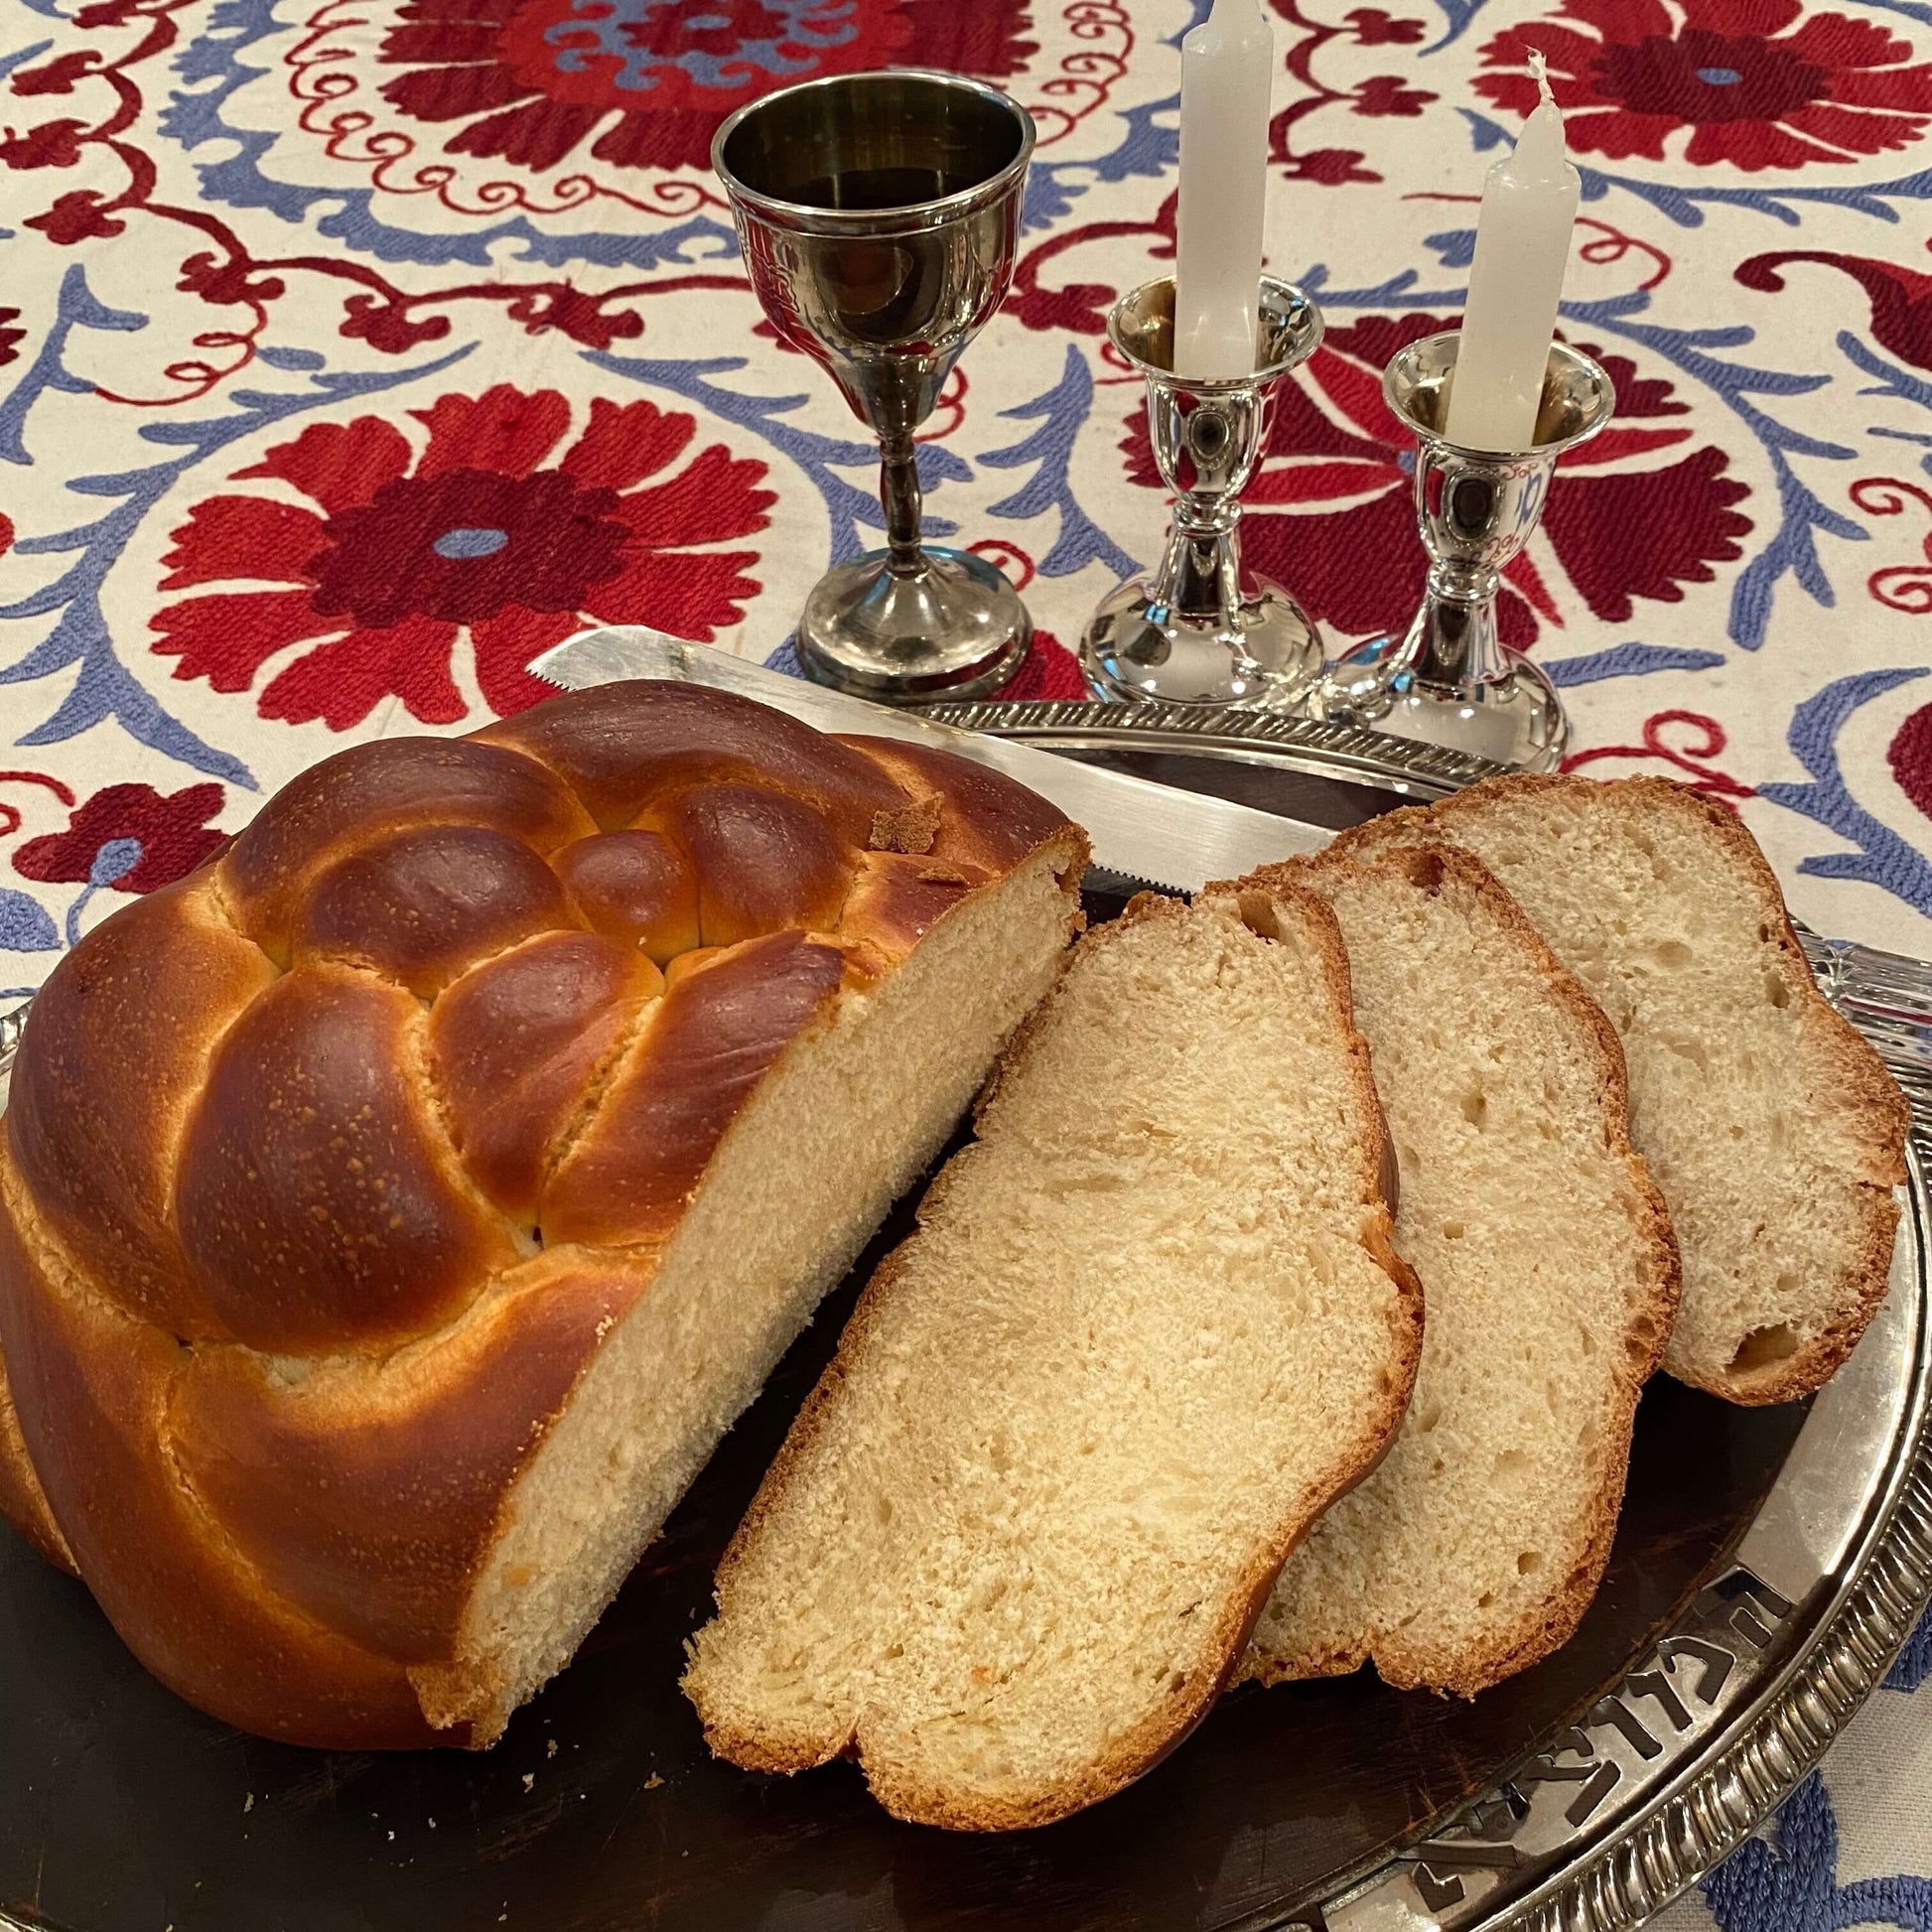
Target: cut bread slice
[1150, 1327]
[1547, 1272]
[1770, 1126]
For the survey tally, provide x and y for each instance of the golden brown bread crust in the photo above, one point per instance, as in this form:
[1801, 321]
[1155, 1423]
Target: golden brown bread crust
[23, 1502]
[1859, 1084]
[1143, 1746]
[1401, 1658]
[326, 1171]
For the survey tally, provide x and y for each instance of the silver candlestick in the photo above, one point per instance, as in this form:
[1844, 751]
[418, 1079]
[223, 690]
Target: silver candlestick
[879, 213]
[1199, 630]
[1451, 680]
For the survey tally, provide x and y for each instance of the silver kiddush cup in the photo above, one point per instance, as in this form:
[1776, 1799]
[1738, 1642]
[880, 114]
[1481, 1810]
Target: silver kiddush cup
[1451, 680]
[1199, 630]
[879, 216]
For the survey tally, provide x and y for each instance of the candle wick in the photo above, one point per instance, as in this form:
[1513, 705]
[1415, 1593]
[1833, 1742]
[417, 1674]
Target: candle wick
[1540, 68]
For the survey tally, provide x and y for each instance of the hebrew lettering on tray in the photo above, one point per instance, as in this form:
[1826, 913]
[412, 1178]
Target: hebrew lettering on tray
[1627, 1740]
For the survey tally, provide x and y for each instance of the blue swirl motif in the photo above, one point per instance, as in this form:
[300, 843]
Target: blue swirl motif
[1061, 413]
[1790, 1884]
[600, 32]
[1149, 149]
[1880, 856]
[104, 688]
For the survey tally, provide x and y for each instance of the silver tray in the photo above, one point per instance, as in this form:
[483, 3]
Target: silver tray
[1590, 1827]
[1604, 1823]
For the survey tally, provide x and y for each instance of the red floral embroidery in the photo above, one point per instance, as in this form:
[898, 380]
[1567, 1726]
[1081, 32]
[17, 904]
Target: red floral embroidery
[77, 216]
[54, 144]
[139, 838]
[1384, 93]
[1374, 27]
[1752, 92]
[1051, 671]
[533, 80]
[1706, 738]
[470, 536]
[1330, 512]
[1901, 298]
[1910, 756]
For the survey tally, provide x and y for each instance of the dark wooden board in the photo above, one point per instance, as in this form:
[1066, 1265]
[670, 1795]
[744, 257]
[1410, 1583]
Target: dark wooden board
[122, 1810]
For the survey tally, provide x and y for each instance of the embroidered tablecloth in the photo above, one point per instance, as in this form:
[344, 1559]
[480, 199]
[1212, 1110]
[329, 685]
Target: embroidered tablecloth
[355, 351]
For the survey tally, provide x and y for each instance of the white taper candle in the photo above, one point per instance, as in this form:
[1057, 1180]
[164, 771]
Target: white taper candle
[1529, 208]
[1228, 71]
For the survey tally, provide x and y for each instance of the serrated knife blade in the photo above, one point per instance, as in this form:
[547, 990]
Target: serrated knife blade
[1177, 839]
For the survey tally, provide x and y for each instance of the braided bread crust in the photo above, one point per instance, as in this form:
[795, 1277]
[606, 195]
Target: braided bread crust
[331, 1172]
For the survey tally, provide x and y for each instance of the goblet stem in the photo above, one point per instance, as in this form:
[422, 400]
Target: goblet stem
[899, 491]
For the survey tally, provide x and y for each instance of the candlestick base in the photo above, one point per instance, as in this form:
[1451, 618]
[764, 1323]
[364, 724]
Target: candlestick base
[1515, 718]
[1263, 654]
[1197, 629]
[1450, 681]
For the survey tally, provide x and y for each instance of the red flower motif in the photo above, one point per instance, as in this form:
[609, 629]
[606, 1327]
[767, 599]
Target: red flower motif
[57, 75]
[1384, 93]
[470, 536]
[77, 216]
[533, 80]
[230, 279]
[387, 323]
[1375, 28]
[10, 340]
[129, 837]
[1752, 92]
[1329, 167]
[1330, 513]
[54, 144]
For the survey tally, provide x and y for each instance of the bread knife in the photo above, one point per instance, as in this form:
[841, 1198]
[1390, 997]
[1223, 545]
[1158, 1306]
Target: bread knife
[1145, 831]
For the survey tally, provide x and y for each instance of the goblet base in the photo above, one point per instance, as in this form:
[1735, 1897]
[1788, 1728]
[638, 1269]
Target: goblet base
[1263, 654]
[953, 628]
[1515, 719]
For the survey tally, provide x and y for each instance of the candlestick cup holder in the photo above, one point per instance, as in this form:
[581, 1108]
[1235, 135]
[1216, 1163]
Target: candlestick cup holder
[1199, 630]
[1449, 680]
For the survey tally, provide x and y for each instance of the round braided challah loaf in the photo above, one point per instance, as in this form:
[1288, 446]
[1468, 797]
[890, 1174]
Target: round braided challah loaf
[397, 1210]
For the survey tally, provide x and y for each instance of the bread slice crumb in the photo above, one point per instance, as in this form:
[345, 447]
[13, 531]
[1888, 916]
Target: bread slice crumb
[1150, 1327]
